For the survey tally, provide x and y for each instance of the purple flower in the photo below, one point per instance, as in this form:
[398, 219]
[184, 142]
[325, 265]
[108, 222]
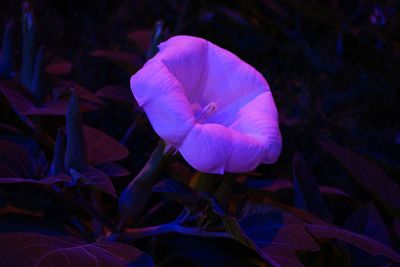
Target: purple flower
[217, 110]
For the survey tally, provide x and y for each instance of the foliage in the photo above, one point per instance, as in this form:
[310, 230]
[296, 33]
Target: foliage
[79, 182]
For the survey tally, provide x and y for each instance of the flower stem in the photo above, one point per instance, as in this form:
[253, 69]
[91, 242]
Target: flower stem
[136, 195]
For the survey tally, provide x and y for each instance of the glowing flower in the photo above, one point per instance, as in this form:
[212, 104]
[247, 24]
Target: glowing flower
[214, 108]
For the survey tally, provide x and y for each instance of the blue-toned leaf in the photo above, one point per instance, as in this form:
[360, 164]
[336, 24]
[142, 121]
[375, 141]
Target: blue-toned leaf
[37, 87]
[368, 221]
[57, 165]
[75, 155]
[28, 48]
[92, 177]
[7, 52]
[307, 194]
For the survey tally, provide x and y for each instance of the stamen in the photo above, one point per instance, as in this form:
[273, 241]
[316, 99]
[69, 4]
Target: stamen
[206, 112]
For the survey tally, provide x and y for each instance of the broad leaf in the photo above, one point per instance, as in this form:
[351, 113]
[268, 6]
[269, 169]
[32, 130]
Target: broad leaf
[113, 169]
[102, 148]
[25, 249]
[142, 38]
[368, 174]
[178, 191]
[89, 176]
[117, 93]
[17, 159]
[61, 177]
[59, 68]
[322, 231]
[307, 194]
[125, 59]
[368, 221]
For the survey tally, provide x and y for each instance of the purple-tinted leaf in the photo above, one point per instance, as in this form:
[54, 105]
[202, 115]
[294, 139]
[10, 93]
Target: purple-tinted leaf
[119, 57]
[368, 174]
[307, 194]
[63, 90]
[17, 159]
[275, 7]
[59, 68]
[18, 101]
[275, 185]
[113, 169]
[89, 176]
[322, 231]
[368, 221]
[142, 38]
[22, 103]
[102, 148]
[61, 177]
[6, 171]
[32, 249]
[117, 93]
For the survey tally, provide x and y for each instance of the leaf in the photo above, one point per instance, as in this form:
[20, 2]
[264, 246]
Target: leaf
[276, 235]
[89, 176]
[57, 164]
[307, 194]
[279, 235]
[59, 68]
[368, 221]
[7, 52]
[178, 191]
[23, 105]
[368, 174]
[113, 169]
[76, 155]
[142, 38]
[321, 231]
[17, 159]
[61, 177]
[31, 249]
[126, 59]
[117, 93]
[37, 86]
[102, 148]
[64, 89]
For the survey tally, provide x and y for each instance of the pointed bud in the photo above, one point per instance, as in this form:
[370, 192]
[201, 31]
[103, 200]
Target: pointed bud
[157, 37]
[136, 195]
[75, 155]
[28, 45]
[6, 58]
[37, 87]
[57, 165]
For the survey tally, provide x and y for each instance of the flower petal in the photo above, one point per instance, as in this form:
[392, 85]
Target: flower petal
[162, 98]
[207, 147]
[229, 78]
[259, 119]
[186, 58]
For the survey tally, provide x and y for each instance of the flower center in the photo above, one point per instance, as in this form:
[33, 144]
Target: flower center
[206, 112]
